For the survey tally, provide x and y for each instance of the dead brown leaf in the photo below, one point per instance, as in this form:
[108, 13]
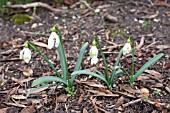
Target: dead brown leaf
[41, 44]
[161, 3]
[27, 72]
[81, 98]
[15, 104]
[141, 42]
[130, 89]
[145, 92]
[18, 97]
[9, 52]
[142, 77]
[154, 73]
[62, 98]
[85, 111]
[107, 34]
[93, 84]
[119, 102]
[9, 110]
[28, 109]
[99, 93]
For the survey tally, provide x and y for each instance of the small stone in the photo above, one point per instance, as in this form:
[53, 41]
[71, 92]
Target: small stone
[97, 11]
[35, 25]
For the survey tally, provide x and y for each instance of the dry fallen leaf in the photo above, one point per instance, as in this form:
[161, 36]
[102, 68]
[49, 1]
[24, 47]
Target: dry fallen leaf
[85, 111]
[154, 73]
[41, 44]
[27, 72]
[93, 84]
[62, 98]
[130, 89]
[145, 92]
[99, 93]
[18, 97]
[119, 102]
[9, 110]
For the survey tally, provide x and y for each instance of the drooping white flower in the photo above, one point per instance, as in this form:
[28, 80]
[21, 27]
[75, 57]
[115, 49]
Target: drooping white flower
[53, 40]
[127, 48]
[25, 54]
[94, 53]
[94, 60]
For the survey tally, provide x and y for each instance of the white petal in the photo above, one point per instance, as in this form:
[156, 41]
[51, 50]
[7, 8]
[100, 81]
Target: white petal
[27, 55]
[57, 41]
[50, 43]
[94, 60]
[93, 51]
[127, 48]
[21, 54]
[51, 40]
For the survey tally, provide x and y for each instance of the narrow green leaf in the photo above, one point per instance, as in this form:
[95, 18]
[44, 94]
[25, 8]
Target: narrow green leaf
[98, 72]
[47, 79]
[133, 56]
[62, 56]
[116, 64]
[104, 60]
[145, 66]
[45, 58]
[74, 74]
[81, 55]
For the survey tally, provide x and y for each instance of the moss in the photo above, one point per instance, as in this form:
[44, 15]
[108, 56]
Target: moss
[118, 32]
[21, 19]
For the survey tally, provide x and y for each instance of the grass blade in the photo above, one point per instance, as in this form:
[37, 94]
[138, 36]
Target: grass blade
[47, 79]
[145, 66]
[74, 74]
[81, 55]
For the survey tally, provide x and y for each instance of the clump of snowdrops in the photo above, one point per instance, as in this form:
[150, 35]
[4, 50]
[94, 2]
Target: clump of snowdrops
[67, 79]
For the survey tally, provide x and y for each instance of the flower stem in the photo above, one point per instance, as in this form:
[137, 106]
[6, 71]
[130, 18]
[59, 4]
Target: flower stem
[104, 60]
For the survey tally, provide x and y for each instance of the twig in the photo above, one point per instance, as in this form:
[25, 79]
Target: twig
[84, 2]
[132, 102]
[141, 42]
[168, 89]
[36, 4]
[87, 5]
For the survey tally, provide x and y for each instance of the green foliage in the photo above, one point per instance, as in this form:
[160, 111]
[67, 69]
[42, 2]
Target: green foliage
[145, 66]
[146, 23]
[108, 79]
[118, 70]
[65, 78]
[21, 18]
[3, 3]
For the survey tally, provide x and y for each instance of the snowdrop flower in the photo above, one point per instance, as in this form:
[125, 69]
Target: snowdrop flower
[53, 40]
[25, 54]
[127, 47]
[94, 53]
[94, 60]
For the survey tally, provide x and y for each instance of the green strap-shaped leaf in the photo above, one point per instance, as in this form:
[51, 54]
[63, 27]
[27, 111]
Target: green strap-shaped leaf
[116, 64]
[45, 58]
[44, 79]
[74, 74]
[81, 55]
[145, 66]
[104, 60]
[62, 56]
